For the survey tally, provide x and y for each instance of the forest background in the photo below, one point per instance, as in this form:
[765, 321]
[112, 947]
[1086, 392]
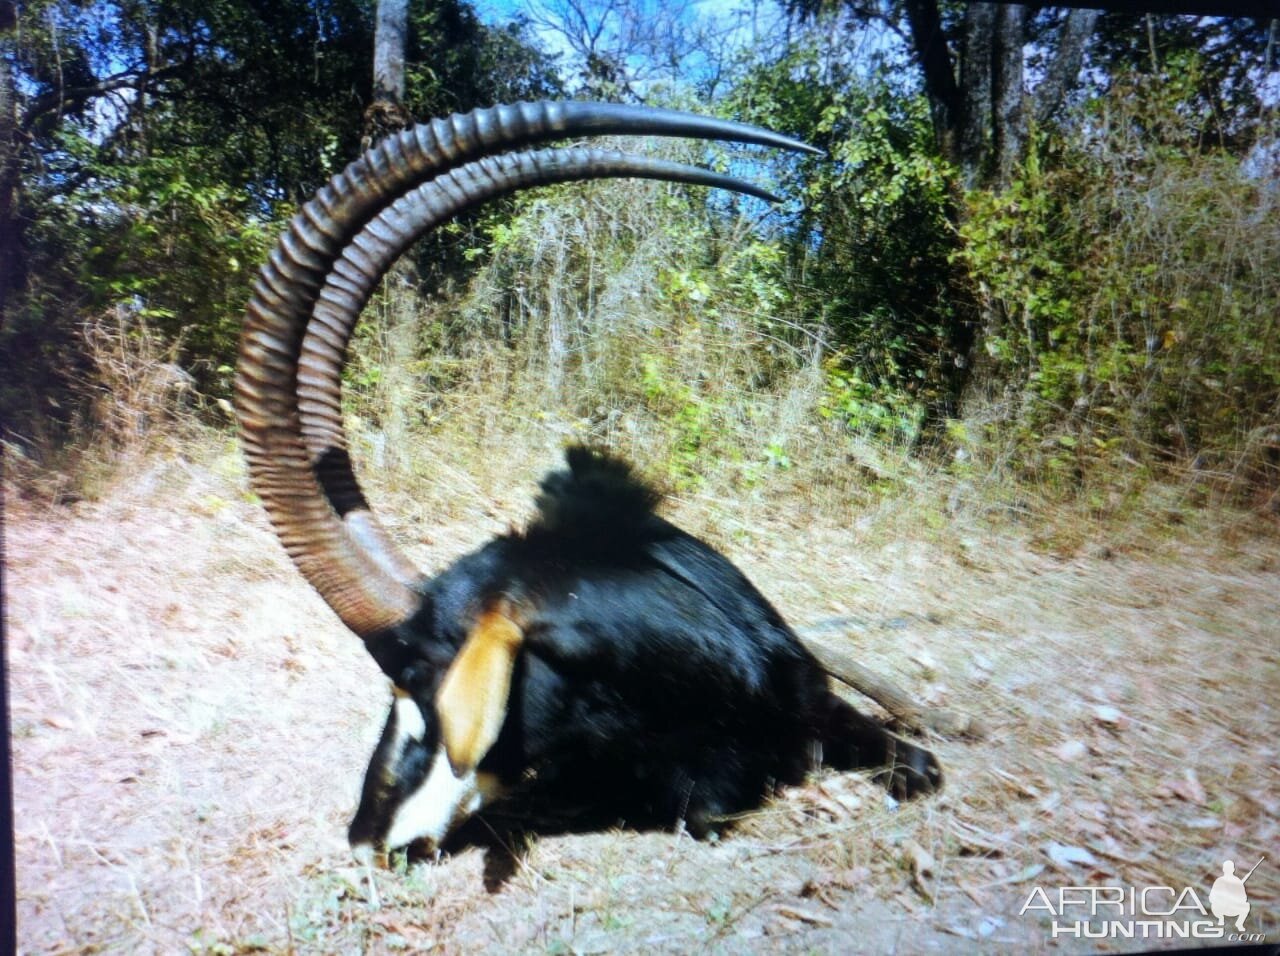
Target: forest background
[1040, 258]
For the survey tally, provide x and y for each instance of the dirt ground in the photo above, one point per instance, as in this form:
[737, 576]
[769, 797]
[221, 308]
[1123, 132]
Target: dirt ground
[190, 726]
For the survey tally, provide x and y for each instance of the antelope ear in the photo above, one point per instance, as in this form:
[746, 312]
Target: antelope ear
[472, 700]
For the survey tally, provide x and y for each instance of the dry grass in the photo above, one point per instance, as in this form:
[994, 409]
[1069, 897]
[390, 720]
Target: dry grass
[190, 726]
[132, 398]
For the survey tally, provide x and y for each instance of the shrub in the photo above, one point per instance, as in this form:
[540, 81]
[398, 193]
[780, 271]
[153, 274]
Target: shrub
[1132, 298]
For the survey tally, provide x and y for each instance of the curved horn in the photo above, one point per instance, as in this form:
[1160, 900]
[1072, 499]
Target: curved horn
[363, 264]
[341, 551]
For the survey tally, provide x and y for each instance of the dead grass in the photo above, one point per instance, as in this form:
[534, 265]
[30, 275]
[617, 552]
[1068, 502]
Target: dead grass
[190, 727]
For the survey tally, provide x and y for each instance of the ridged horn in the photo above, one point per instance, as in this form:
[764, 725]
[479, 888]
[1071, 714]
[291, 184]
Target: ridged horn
[363, 264]
[335, 541]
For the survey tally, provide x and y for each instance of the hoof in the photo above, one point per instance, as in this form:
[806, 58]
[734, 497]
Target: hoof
[912, 771]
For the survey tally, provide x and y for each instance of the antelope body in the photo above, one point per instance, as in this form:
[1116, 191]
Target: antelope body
[602, 658]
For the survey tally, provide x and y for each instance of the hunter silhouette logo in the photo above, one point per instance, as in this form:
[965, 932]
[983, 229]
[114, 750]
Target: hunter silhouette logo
[1228, 898]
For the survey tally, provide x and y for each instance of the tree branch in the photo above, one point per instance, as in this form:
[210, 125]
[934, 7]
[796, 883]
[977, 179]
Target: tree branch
[1066, 63]
[59, 100]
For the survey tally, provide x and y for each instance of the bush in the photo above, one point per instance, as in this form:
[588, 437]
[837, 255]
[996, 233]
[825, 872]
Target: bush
[1133, 302]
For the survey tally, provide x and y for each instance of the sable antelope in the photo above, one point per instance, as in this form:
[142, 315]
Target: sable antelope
[602, 654]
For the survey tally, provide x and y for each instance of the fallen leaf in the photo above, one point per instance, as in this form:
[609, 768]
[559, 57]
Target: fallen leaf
[920, 859]
[1022, 876]
[1204, 823]
[1022, 789]
[1110, 716]
[926, 662]
[1071, 750]
[1108, 846]
[1189, 788]
[989, 924]
[1050, 802]
[1070, 855]
[804, 916]
[922, 863]
[1105, 713]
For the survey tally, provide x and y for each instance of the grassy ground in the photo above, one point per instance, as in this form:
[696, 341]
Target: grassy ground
[190, 727]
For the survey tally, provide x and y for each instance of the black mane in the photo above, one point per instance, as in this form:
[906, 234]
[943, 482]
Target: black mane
[599, 494]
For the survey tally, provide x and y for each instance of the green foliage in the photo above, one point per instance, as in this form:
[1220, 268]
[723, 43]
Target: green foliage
[1213, 68]
[871, 248]
[868, 408]
[1133, 292]
[182, 244]
[457, 63]
[688, 414]
[168, 144]
[163, 237]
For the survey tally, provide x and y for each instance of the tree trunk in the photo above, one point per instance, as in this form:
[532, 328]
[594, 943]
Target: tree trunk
[930, 44]
[10, 167]
[389, 40]
[839, 663]
[975, 84]
[1008, 122]
[386, 113]
[977, 52]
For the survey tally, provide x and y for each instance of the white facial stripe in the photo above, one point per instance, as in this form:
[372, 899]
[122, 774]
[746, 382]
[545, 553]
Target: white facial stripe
[442, 801]
[409, 722]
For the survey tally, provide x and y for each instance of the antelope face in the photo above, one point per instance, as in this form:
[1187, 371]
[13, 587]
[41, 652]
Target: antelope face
[411, 791]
